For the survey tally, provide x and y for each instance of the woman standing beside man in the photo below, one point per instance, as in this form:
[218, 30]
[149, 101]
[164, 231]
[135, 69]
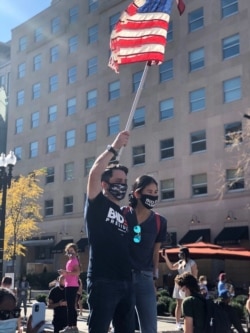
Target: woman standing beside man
[147, 232]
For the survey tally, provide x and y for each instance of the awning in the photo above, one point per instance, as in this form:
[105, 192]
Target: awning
[232, 235]
[82, 243]
[38, 242]
[59, 247]
[196, 235]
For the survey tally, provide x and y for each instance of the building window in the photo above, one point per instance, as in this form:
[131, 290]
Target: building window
[35, 119]
[166, 109]
[170, 33]
[52, 113]
[73, 14]
[20, 98]
[55, 25]
[18, 153]
[195, 20]
[54, 54]
[167, 148]
[37, 62]
[19, 125]
[70, 138]
[114, 90]
[21, 70]
[229, 7]
[51, 144]
[53, 83]
[93, 5]
[38, 34]
[235, 179]
[232, 90]
[22, 43]
[113, 20]
[166, 70]
[231, 46]
[2, 80]
[92, 66]
[196, 59]
[198, 141]
[88, 164]
[113, 125]
[199, 184]
[233, 133]
[71, 106]
[69, 171]
[167, 189]
[48, 207]
[197, 100]
[93, 34]
[138, 155]
[72, 75]
[73, 44]
[136, 80]
[68, 205]
[36, 90]
[33, 149]
[50, 175]
[91, 98]
[139, 117]
[91, 132]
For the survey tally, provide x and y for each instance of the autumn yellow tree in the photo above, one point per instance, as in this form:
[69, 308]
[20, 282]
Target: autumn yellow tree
[22, 213]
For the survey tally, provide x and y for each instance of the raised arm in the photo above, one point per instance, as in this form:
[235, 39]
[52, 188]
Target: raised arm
[171, 266]
[100, 164]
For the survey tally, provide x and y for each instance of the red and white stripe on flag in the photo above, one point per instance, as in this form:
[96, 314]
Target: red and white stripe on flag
[138, 37]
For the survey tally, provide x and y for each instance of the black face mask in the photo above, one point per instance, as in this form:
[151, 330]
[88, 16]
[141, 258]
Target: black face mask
[118, 190]
[149, 201]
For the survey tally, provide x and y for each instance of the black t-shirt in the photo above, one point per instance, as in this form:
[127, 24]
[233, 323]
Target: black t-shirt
[108, 240]
[56, 294]
[141, 253]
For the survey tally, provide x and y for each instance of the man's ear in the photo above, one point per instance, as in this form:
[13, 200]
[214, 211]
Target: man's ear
[104, 185]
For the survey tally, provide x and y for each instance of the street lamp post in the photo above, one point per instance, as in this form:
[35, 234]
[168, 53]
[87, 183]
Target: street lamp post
[6, 166]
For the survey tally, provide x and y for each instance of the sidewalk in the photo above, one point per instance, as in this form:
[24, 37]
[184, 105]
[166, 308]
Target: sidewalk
[165, 324]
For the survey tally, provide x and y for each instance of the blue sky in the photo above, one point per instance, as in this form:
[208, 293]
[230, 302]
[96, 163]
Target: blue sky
[15, 12]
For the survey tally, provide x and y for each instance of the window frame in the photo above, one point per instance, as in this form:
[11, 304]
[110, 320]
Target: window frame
[138, 155]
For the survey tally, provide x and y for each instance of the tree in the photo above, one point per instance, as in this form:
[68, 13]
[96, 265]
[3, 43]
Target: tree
[22, 213]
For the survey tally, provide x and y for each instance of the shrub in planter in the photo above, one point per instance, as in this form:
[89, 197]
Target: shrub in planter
[172, 306]
[240, 299]
[41, 298]
[84, 300]
[166, 300]
[160, 308]
[239, 308]
[162, 292]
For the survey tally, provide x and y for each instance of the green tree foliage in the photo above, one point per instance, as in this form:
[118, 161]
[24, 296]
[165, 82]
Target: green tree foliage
[22, 213]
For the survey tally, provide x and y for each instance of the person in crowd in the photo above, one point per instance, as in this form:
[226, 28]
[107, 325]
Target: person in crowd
[22, 294]
[54, 283]
[145, 244]
[10, 313]
[6, 282]
[193, 307]
[56, 301]
[222, 282]
[225, 298]
[71, 274]
[79, 297]
[203, 286]
[109, 278]
[185, 264]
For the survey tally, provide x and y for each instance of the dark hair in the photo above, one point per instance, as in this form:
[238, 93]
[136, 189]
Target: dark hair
[6, 280]
[108, 172]
[187, 280]
[185, 251]
[138, 186]
[6, 293]
[73, 245]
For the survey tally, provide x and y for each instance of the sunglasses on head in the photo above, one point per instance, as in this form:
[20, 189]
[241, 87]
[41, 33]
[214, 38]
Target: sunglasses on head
[137, 231]
[7, 314]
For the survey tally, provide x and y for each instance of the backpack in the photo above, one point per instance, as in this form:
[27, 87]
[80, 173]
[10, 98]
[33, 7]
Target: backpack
[216, 318]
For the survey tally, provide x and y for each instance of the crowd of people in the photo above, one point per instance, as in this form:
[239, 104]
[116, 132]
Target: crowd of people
[124, 244]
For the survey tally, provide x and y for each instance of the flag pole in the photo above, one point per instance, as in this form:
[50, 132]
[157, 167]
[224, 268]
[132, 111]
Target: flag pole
[134, 105]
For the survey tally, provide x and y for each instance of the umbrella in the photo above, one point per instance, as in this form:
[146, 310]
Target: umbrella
[202, 250]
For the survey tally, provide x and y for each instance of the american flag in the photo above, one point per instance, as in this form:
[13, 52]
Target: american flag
[141, 32]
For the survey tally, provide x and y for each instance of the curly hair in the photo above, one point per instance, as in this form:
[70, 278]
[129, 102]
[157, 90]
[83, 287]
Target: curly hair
[187, 280]
[108, 172]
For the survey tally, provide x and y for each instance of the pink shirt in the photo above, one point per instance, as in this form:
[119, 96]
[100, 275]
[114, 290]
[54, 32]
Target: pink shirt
[71, 280]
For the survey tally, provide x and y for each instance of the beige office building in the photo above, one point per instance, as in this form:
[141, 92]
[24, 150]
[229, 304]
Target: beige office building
[66, 105]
